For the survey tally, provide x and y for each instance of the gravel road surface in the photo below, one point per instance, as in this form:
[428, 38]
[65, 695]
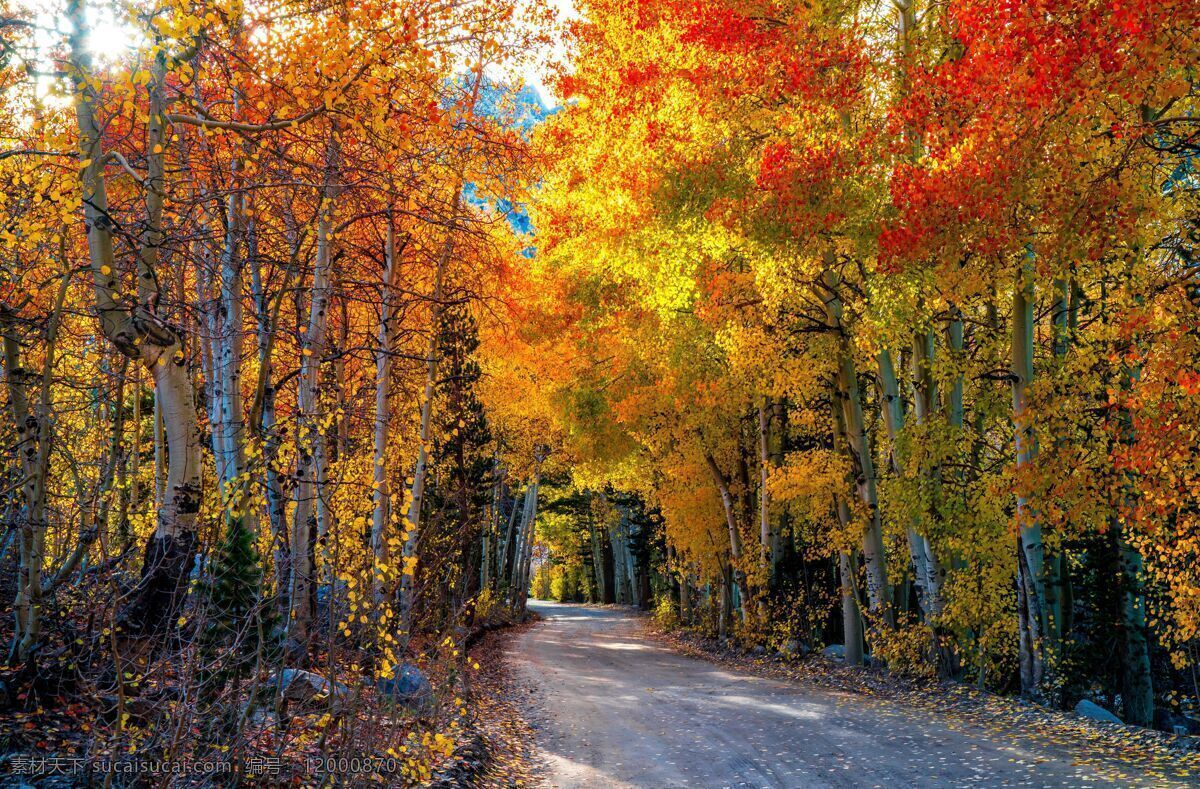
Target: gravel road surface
[617, 708]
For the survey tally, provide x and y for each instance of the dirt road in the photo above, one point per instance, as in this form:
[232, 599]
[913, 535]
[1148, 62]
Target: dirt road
[619, 709]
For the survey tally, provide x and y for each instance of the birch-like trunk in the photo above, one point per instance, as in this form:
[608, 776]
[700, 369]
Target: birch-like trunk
[1030, 571]
[263, 416]
[893, 418]
[381, 492]
[530, 516]
[852, 624]
[858, 445]
[228, 360]
[309, 441]
[491, 532]
[619, 581]
[635, 597]
[597, 560]
[210, 342]
[142, 334]
[731, 523]
[924, 406]
[31, 425]
[766, 530]
[506, 560]
[851, 619]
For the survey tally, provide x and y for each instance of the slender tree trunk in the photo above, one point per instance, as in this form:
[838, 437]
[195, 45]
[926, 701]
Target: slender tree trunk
[924, 406]
[160, 452]
[490, 530]
[231, 408]
[381, 493]
[530, 533]
[506, 554]
[1137, 686]
[852, 624]
[143, 335]
[635, 596]
[33, 451]
[893, 417]
[523, 536]
[1034, 628]
[622, 585]
[135, 454]
[597, 561]
[309, 441]
[859, 446]
[725, 611]
[263, 418]
[851, 620]
[779, 437]
[767, 539]
[731, 522]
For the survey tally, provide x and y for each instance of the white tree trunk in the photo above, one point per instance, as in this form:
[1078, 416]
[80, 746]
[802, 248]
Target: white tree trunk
[381, 493]
[893, 415]
[142, 334]
[731, 523]
[309, 441]
[1033, 627]
[228, 359]
[33, 452]
[859, 445]
[924, 405]
[506, 561]
[851, 620]
[530, 515]
[767, 538]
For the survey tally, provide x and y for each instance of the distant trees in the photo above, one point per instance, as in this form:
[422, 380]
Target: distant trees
[867, 304]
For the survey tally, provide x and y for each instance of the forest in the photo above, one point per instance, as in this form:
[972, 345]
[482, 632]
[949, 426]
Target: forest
[334, 331]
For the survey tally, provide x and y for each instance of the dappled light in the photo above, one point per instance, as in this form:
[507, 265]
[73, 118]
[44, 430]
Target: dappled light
[599, 393]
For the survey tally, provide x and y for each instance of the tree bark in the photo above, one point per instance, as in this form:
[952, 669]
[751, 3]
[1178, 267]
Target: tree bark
[767, 539]
[1034, 628]
[530, 533]
[731, 522]
[506, 553]
[924, 406]
[142, 334]
[380, 491]
[893, 417]
[310, 444]
[858, 444]
[1136, 678]
[597, 561]
[851, 619]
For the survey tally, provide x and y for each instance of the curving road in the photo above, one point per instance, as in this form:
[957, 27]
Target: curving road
[618, 709]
